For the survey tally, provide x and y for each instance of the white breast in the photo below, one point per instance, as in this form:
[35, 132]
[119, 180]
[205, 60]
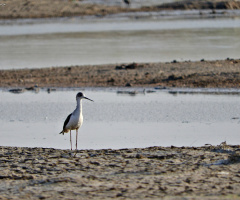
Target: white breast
[75, 121]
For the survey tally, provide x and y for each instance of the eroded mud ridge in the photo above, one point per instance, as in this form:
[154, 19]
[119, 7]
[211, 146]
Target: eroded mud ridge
[208, 172]
[220, 73]
[60, 8]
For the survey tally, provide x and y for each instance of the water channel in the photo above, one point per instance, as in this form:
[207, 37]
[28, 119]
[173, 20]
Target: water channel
[133, 37]
[117, 119]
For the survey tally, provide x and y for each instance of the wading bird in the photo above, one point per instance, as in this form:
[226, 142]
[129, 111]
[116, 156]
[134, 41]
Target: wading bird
[75, 119]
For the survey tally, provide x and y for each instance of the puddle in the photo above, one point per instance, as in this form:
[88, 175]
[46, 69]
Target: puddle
[116, 120]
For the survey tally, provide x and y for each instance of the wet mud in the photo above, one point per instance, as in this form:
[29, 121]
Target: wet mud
[15, 9]
[208, 172]
[204, 74]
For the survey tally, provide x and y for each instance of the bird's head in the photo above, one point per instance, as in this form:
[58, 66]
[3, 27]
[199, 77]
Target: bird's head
[80, 96]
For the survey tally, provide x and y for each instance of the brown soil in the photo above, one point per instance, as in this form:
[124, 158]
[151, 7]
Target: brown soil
[54, 8]
[67, 8]
[222, 73]
[210, 172]
[201, 4]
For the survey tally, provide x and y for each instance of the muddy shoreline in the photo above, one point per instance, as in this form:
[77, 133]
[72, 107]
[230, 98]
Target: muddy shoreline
[15, 9]
[204, 74]
[208, 172]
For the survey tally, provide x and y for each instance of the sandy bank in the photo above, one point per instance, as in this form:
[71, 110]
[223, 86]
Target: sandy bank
[210, 172]
[222, 73]
[59, 8]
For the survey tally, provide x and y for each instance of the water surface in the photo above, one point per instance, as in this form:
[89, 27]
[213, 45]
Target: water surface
[120, 121]
[116, 39]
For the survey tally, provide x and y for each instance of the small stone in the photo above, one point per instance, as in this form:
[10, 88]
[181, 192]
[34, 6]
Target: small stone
[131, 66]
[111, 80]
[119, 67]
[139, 156]
[119, 195]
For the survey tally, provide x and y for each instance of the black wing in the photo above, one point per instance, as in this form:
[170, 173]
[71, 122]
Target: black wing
[66, 121]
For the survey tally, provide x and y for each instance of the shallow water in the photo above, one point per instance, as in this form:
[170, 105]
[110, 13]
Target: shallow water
[121, 121]
[150, 37]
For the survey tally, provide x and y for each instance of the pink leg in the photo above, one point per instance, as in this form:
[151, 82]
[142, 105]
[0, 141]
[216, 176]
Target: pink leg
[71, 139]
[76, 137]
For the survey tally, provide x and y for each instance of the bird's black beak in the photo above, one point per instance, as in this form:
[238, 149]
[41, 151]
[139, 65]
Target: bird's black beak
[88, 99]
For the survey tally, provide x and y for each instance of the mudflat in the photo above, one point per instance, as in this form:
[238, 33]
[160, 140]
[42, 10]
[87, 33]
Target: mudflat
[16, 9]
[208, 172]
[219, 73]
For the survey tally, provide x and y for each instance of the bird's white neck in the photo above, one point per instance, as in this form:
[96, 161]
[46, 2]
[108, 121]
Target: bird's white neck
[79, 105]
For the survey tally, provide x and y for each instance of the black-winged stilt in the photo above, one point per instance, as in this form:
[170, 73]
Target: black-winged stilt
[75, 119]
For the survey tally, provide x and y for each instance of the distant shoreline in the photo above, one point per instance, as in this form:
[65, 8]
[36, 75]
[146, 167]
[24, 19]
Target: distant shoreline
[16, 9]
[204, 74]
